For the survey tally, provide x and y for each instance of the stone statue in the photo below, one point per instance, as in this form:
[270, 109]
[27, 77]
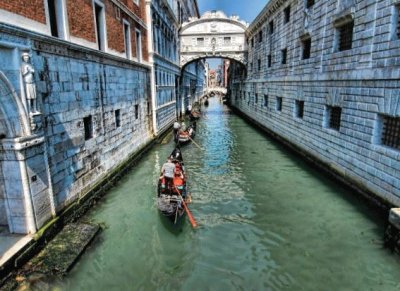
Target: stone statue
[27, 72]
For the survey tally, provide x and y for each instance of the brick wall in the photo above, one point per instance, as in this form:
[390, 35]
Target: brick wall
[33, 9]
[81, 19]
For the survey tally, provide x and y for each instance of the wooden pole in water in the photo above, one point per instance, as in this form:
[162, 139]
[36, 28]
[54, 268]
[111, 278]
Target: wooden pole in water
[191, 218]
[195, 143]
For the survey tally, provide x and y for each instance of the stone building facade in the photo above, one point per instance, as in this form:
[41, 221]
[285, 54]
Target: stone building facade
[324, 77]
[172, 86]
[75, 101]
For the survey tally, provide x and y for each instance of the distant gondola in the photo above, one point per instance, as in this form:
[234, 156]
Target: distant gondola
[170, 200]
[187, 135]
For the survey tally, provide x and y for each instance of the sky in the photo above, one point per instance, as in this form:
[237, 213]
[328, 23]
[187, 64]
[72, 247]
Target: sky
[244, 9]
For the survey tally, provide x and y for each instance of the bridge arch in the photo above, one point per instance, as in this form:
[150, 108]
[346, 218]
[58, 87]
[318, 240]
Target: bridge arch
[214, 35]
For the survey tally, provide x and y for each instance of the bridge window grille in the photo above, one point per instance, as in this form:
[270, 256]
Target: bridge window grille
[136, 111]
[269, 60]
[278, 103]
[260, 36]
[391, 131]
[200, 41]
[117, 118]
[271, 27]
[345, 36]
[309, 3]
[334, 116]
[286, 14]
[265, 100]
[306, 48]
[227, 40]
[284, 56]
[88, 127]
[299, 108]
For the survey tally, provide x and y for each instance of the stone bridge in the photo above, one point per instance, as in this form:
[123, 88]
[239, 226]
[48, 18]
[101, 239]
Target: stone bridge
[212, 91]
[213, 35]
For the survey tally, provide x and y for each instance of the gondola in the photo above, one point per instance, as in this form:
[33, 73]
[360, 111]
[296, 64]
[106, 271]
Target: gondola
[170, 200]
[186, 135]
[194, 115]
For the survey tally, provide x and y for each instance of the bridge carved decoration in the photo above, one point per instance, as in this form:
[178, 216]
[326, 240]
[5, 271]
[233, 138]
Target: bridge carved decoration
[213, 35]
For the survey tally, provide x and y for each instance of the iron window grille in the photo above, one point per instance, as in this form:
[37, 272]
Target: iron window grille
[200, 41]
[299, 109]
[287, 14]
[309, 3]
[334, 114]
[346, 36]
[391, 132]
[271, 27]
[88, 127]
[284, 56]
[306, 48]
[278, 103]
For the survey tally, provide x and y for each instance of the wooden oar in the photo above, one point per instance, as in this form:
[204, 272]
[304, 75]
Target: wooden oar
[195, 143]
[191, 218]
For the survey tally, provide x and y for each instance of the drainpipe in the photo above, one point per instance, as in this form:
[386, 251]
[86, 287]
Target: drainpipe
[151, 61]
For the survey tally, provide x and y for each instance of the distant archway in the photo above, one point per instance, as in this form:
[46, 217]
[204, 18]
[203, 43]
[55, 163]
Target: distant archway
[213, 35]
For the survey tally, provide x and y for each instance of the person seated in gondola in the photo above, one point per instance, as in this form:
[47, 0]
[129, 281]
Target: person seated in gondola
[176, 154]
[179, 181]
[167, 174]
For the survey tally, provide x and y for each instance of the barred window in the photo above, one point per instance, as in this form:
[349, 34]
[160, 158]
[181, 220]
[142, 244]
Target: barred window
[345, 36]
[284, 56]
[334, 116]
[200, 41]
[309, 3]
[287, 14]
[391, 131]
[136, 111]
[271, 27]
[117, 118]
[299, 108]
[306, 48]
[265, 100]
[227, 40]
[260, 35]
[269, 59]
[278, 103]
[88, 127]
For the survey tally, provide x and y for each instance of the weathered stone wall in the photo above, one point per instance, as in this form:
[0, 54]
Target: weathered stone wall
[362, 81]
[93, 114]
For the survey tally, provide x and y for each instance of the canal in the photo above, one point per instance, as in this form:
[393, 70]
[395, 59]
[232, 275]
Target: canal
[268, 221]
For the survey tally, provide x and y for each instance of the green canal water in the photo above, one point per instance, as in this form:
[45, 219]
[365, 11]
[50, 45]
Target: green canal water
[267, 221]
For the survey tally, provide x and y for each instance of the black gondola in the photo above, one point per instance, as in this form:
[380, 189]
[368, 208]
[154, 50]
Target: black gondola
[169, 199]
[185, 136]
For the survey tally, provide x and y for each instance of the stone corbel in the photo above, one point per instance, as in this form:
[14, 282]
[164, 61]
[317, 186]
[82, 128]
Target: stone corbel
[343, 17]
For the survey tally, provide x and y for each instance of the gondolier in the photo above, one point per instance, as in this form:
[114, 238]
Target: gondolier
[168, 172]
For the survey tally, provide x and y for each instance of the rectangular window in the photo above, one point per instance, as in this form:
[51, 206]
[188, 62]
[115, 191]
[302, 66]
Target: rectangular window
[200, 41]
[286, 13]
[136, 111]
[397, 21]
[100, 26]
[284, 56]
[117, 114]
[265, 100]
[127, 38]
[252, 42]
[259, 64]
[256, 99]
[334, 115]
[57, 18]
[345, 36]
[138, 45]
[278, 103]
[391, 132]
[269, 59]
[260, 35]
[299, 109]
[227, 40]
[271, 27]
[88, 126]
[53, 17]
[136, 2]
[309, 3]
[306, 43]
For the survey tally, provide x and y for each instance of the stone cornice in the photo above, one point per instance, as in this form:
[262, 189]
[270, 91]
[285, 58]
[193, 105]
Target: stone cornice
[261, 18]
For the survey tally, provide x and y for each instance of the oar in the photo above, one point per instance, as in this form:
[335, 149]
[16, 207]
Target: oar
[191, 218]
[195, 143]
